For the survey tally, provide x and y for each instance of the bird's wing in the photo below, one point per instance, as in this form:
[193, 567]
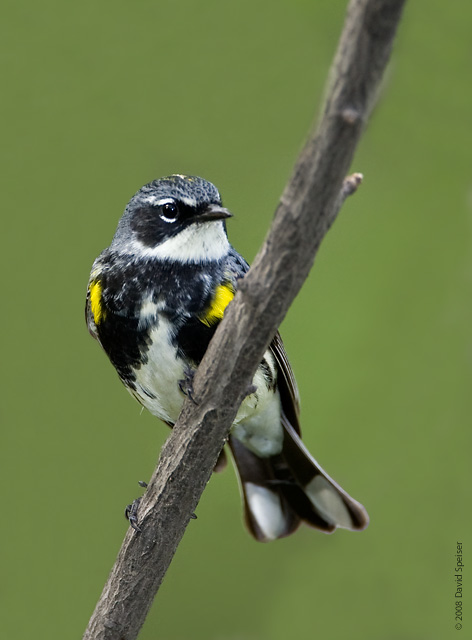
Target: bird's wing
[287, 385]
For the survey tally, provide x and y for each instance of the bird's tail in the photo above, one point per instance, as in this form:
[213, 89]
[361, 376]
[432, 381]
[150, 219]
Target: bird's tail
[281, 491]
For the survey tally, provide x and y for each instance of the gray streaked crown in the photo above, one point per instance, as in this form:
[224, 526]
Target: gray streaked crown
[193, 190]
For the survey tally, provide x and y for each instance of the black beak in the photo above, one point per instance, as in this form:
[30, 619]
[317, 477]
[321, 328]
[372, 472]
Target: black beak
[213, 212]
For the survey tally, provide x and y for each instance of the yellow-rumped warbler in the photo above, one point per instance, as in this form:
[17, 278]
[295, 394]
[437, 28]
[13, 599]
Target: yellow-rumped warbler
[154, 299]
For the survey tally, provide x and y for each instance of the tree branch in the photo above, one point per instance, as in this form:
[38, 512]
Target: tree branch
[308, 206]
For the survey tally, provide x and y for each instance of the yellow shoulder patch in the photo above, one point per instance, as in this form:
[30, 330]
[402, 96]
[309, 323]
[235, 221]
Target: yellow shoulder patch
[224, 293]
[96, 307]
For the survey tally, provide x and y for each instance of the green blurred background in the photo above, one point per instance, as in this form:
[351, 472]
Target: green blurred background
[101, 97]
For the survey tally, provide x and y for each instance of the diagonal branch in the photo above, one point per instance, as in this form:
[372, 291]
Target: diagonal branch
[308, 206]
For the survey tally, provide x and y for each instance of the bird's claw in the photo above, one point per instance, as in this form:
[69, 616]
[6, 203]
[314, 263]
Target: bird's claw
[131, 514]
[131, 511]
[186, 385]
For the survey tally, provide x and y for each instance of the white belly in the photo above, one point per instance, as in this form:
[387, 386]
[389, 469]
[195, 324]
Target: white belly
[257, 424]
[157, 381]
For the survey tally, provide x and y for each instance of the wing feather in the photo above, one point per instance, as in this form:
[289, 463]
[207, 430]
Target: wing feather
[287, 384]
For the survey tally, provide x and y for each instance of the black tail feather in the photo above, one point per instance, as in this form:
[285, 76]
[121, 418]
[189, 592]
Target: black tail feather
[281, 491]
[267, 510]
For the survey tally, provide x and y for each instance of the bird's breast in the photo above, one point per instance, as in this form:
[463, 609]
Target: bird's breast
[156, 381]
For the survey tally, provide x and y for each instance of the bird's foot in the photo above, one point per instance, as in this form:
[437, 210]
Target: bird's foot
[131, 511]
[186, 385]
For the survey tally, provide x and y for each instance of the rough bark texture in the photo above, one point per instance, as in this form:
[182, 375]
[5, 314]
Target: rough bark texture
[307, 208]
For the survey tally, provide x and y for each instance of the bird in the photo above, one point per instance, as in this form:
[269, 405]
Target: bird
[154, 299]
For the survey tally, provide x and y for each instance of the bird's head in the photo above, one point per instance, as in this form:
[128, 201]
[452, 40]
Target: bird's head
[177, 218]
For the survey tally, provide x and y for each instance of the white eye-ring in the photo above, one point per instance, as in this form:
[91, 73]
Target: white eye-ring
[168, 211]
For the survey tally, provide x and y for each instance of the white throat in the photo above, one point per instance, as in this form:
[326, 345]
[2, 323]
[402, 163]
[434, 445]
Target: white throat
[201, 242]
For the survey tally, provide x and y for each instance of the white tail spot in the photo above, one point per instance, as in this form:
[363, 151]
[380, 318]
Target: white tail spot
[326, 499]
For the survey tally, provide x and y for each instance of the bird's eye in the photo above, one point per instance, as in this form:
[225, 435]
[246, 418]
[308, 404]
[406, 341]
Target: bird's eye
[169, 212]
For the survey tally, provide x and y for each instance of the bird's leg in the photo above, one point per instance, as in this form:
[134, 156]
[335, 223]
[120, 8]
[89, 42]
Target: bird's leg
[131, 511]
[186, 385]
